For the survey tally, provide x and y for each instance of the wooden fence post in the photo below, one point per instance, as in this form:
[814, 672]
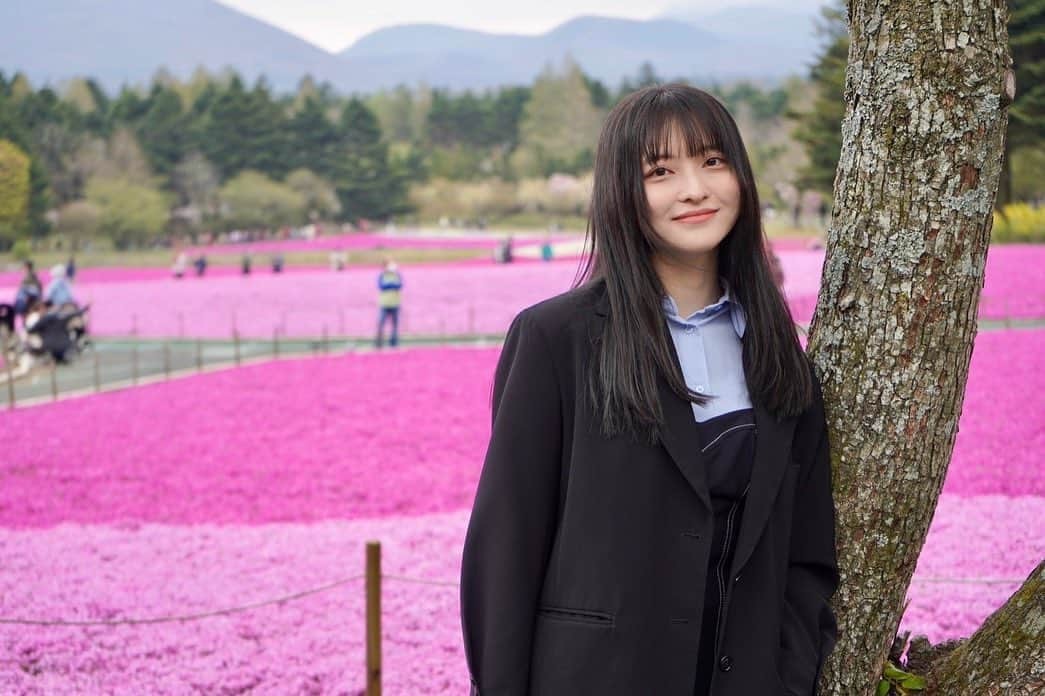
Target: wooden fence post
[134, 362]
[373, 618]
[10, 384]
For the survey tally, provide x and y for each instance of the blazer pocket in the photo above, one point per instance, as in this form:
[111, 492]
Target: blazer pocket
[584, 616]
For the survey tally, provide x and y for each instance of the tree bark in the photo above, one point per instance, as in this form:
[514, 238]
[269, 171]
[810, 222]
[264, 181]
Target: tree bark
[892, 335]
[1007, 653]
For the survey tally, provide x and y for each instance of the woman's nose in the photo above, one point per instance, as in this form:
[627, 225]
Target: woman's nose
[693, 187]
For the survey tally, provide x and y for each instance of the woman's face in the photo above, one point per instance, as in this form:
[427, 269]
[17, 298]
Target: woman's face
[693, 201]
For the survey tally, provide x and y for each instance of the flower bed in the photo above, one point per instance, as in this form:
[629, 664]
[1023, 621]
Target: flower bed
[315, 645]
[297, 440]
[374, 434]
[235, 487]
[452, 298]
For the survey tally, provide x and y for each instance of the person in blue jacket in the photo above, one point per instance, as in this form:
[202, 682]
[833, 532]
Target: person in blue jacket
[389, 285]
[59, 290]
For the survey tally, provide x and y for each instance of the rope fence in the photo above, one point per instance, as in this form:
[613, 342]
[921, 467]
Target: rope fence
[373, 578]
[186, 617]
[345, 581]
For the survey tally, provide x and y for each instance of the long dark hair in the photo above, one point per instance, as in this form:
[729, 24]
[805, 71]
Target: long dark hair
[635, 346]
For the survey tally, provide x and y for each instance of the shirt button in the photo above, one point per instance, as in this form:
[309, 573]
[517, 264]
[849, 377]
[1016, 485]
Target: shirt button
[725, 663]
[690, 329]
[700, 387]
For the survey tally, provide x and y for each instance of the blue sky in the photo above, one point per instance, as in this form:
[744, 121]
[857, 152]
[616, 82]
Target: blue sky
[336, 24]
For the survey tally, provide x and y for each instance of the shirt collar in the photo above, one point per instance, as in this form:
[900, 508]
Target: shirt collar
[726, 302]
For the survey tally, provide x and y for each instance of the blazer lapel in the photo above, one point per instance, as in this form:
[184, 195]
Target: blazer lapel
[772, 456]
[679, 434]
[682, 441]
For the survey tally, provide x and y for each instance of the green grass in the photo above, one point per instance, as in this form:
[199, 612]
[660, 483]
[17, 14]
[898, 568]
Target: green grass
[164, 258]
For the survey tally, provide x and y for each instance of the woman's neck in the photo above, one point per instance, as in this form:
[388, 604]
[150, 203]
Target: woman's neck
[693, 284]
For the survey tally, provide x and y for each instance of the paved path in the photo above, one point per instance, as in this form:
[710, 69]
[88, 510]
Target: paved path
[119, 363]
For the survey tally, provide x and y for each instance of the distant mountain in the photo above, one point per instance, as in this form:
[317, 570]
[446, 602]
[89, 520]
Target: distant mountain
[126, 41]
[794, 25]
[609, 49]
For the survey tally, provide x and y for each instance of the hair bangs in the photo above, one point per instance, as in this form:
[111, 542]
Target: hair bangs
[676, 126]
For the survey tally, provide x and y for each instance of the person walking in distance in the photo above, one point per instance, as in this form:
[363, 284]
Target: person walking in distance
[389, 285]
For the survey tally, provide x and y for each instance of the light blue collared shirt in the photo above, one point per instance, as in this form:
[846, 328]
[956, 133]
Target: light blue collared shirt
[710, 353]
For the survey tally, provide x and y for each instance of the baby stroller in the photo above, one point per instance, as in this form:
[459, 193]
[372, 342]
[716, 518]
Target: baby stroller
[60, 333]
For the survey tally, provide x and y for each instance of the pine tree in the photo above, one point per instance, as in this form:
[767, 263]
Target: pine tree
[367, 187]
[164, 130]
[820, 130]
[1027, 113]
[245, 130]
[314, 142]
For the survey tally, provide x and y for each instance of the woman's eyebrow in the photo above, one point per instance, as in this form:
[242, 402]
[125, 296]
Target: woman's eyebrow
[660, 156]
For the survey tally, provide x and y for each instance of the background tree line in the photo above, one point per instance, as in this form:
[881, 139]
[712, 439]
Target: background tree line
[212, 154]
[1022, 186]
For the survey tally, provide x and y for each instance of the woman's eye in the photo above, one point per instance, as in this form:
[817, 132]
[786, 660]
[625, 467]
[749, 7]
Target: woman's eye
[658, 171]
[715, 161]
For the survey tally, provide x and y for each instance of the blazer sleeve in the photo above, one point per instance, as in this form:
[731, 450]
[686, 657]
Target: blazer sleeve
[513, 519]
[809, 629]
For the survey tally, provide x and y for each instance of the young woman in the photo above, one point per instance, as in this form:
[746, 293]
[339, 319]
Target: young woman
[654, 515]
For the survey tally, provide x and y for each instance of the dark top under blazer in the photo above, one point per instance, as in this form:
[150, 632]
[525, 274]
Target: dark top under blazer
[585, 560]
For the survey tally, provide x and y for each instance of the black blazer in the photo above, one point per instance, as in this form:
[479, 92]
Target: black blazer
[585, 559]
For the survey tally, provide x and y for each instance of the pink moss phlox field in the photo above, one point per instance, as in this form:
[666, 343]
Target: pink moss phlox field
[314, 645]
[437, 299]
[987, 537]
[359, 435]
[373, 434]
[86, 278]
[464, 297]
[452, 298]
[1001, 432]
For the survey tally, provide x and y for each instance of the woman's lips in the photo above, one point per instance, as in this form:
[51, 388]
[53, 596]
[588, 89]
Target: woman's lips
[693, 218]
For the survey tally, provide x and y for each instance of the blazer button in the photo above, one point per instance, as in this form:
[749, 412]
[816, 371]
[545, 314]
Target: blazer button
[725, 663]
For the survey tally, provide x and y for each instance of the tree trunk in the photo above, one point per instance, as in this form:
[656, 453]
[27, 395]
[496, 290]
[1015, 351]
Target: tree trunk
[927, 93]
[1007, 653]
